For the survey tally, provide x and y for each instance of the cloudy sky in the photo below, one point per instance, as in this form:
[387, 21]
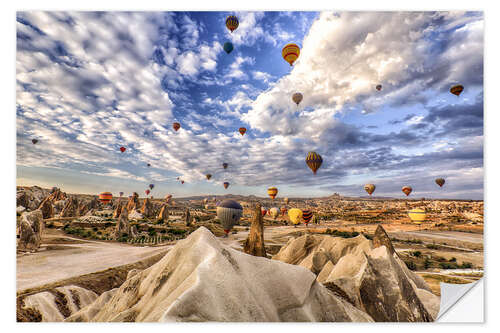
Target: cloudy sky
[91, 82]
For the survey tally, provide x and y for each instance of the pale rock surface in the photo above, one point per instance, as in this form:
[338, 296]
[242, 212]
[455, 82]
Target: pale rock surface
[134, 215]
[87, 313]
[201, 279]
[30, 230]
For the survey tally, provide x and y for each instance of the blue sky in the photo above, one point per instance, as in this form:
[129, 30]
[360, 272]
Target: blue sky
[88, 83]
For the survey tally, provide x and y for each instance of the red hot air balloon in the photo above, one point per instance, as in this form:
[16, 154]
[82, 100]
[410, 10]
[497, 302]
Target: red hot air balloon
[242, 130]
[122, 149]
[176, 126]
[307, 215]
[182, 182]
[105, 197]
[263, 211]
[147, 192]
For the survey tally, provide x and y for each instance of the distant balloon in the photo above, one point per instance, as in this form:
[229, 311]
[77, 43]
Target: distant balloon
[290, 53]
[440, 181]
[182, 182]
[147, 192]
[314, 161]
[205, 200]
[457, 89]
[225, 165]
[297, 98]
[370, 188]
[226, 185]
[229, 213]
[286, 200]
[378, 87]
[208, 176]
[417, 215]
[242, 130]
[105, 197]
[228, 47]
[151, 186]
[122, 149]
[149, 165]
[272, 192]
[274, 212]
[176, 126]
[232, 23]
[295, 215]
[407, 190]
[178, 178]
[263, 211]
[307, 215]
[34, 141]
[121, 194]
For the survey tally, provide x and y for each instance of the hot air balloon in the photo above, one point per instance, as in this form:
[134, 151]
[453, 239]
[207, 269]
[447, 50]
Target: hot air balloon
[407, 190]
[205, 200]
[229, 213]
[228, 47]
[307, 215]
[274, 212]
[272, 192]
[151, 186]
[263, 211]
[176, 126]
[417, 215]
[122, 149]
[242, 130]
[178, 178]
[314, 161]
[34, 141]
[370, 188]
[226, 185]
[225, 165]
[378, 87]
[297, 98]
[440, 181]
[457, 89]
[182, 182]
[232, 23]
[105, 197]
[147, 192]
[149, 165]
[208, 176]
[295, 215]
[283, 211]
[290, 53]
[286, 200]
[121, 194]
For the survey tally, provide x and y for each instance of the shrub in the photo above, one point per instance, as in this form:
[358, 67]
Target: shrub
[176, 231]
[427, 263]
[446, 265]
[416, 254]
[432, 246]
[94, 229]
[411, 265]
[108, 224]
[453, 259]
[466, 265]
[163, 231]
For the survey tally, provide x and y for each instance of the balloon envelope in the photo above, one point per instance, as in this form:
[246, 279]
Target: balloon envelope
[295, 215]
[176, 126]
[457, 89]
[290, 53]
[208, 176]
[151, 186]
[147, 192]
[229, 213]
[417, 215]
[274, 212]
[369, 188]
[378, 87]
[440, 181]
[122, 149]
[228, 47]
[34, 141]
[272, 192]
[242, 130]
[226, 184]
[232, 23]
[121, 194]
[105, 197]
[314, 161]
[407, 190]
[307, 215]
[297, 98]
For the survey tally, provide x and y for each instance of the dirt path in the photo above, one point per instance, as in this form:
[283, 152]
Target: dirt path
[70, 260]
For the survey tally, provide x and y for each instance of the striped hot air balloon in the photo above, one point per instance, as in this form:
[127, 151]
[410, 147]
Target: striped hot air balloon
[440, 181]
[307, 215]
[242, 130]
[457, 89]
[176, 126]
[208, 175]
[407, 190]
[370, 188]
[229, 213]
[295, 215]
[297, 98]
[290, 53]
[314, 161]
[226, 185]
[105, 197]
[272, 192]
[417, 215]
[232, 23]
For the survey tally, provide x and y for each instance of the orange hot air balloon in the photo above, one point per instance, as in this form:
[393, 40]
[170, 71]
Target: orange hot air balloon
[232, 23]
[457, 89]
[272, 192]
[370, 188]
[307, 215]
[176, 126]
[290, 53]
[407, 190]
[314, 161]
[226, 185]
[440, 181]
[297, 98]
[122, 149]
[105, 197]
[242, 130]
[208, 176]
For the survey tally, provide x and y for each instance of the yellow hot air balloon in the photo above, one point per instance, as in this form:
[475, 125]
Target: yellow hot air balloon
[314, 161]
[417, 215]
[232, 23]
[290, 53]
[295, 215]
[272, 192]
[370, 188]
[274, 212]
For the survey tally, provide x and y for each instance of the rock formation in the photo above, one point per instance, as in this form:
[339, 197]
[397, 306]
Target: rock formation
[367, 274]
[70, 208]
[90, 205]
[123, 225]
[30, 230]
[163, 215]
[118, 210]
[46, 208]
[187, 217]
[201, 279]
[133, 202]
[147, 208]
[254, 244]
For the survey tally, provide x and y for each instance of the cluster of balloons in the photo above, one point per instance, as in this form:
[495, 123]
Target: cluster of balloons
[370, 188]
